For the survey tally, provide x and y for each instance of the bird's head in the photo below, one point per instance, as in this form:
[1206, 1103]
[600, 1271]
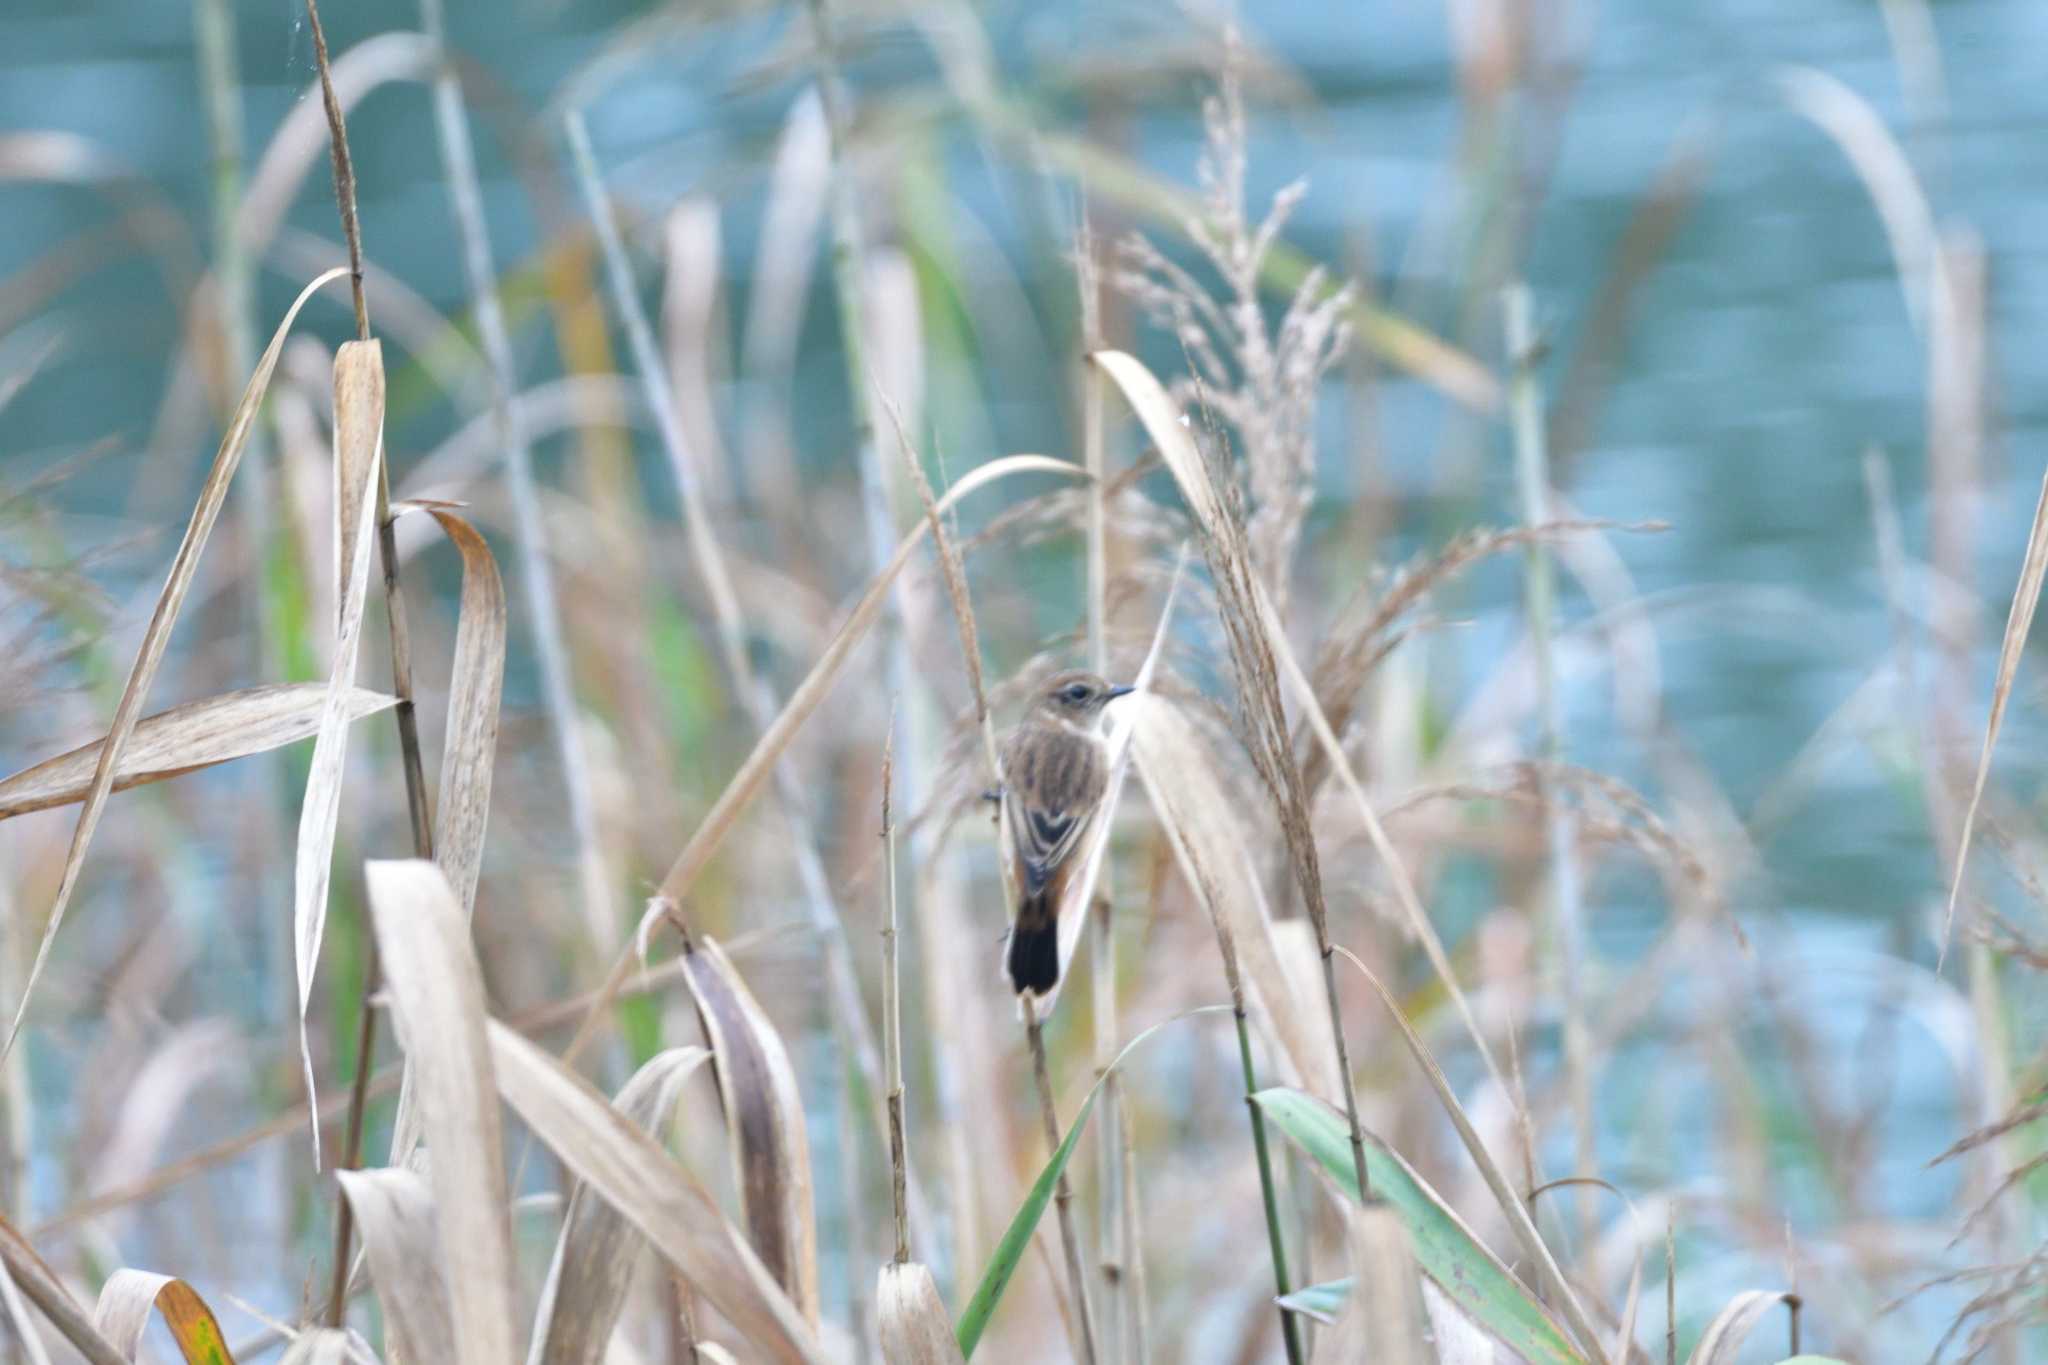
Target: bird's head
[1077, 697]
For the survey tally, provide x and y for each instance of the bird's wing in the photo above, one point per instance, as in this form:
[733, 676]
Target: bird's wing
[1052, 804]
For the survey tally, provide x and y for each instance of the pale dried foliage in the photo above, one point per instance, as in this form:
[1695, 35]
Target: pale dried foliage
[598, 1158]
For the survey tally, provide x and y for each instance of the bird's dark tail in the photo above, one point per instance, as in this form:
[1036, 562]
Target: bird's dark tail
[1035, 946]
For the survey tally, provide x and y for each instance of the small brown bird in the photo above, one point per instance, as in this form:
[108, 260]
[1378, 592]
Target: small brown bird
[1055, 768]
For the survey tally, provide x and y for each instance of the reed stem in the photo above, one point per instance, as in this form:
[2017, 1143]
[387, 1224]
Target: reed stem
[1063, 1192]
[401, 685]
[1532, 477]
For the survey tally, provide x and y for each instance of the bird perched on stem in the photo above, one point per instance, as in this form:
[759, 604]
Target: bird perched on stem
[1055, 769]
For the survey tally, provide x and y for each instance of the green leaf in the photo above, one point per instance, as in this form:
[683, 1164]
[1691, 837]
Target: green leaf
[1323, 1302]
[1009, 1252]
[1445, 1248]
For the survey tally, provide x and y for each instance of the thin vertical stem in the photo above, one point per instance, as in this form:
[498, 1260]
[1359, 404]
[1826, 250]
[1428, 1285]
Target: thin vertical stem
[1063, 1193]
[401, 683]
[1532, 478]
[538, 576]
[1109, 1128]
[1290, 1330]
[892, 1022]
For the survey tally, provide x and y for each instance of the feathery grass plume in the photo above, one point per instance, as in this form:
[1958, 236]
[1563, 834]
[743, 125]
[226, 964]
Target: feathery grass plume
[1260, 380]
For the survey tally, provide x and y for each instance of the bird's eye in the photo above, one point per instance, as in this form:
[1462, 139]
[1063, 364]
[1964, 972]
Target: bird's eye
[1076, 692]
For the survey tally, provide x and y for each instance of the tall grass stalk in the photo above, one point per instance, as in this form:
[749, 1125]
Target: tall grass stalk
[1034, 1029]
[892, 1020]
[844, 1010]
[1532, 481]
[1112, 1130]
[401, 682]
[557, 690]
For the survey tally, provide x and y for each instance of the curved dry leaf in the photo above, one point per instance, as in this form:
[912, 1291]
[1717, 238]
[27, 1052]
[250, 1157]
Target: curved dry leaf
[184, 739]
[431, 971]
[475, 687]
[129, 1297]
[358, 450]
[32, 1276]
[1721, 1344]
[157, 637]
[469, 744]
[764, 1115]
[912, 1320]
[593, 1265]
[630, 1171]
[395, 1210]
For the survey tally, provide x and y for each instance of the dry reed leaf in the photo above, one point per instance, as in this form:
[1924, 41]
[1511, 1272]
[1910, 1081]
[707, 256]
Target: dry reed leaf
[25, 1331]
[395, 1210]
[1382, 1320]
[1214, 851]
[625, 1167]
[187, 738]
[32, 1275]
[764, 1114]
[129, 1297]
[593, 1264]
[358, 445]
[358, 450]
[438, 994]
[1721, 1343]
[156, 637]
[2026, 598]
[911, 1318]
[475, 688]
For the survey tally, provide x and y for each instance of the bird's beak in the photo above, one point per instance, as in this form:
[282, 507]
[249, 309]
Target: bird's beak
[1123, 691]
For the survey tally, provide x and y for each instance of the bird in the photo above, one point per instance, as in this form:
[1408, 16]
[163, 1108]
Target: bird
[1055, 768]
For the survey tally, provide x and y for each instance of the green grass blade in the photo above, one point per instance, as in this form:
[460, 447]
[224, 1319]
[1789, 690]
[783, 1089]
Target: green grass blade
[1323, 1302]
[1009, 1252]
[1445, 1248]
